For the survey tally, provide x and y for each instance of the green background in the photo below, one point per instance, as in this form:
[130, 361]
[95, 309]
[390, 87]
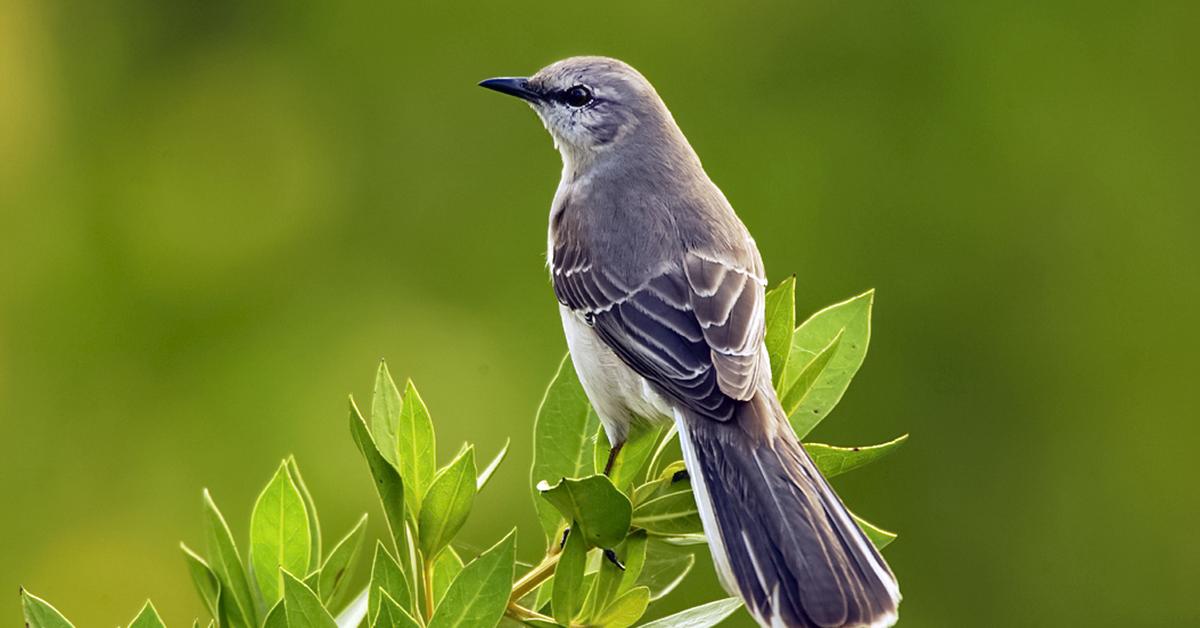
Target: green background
[215, 217]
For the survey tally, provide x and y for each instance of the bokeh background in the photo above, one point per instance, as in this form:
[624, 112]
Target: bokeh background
[215, 217]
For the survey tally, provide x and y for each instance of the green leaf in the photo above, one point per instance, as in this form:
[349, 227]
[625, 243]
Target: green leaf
[277, 616]
[802, 385]
[446, 568]
[339, 565]
[660, 485]
[703, 616]
[227, 564]
[598, 509]
[834, 461]
[672, 513]
[310, 508]
[40, 614]
[563, 436]
[490, 470]
[625, 610]
[632, 458]
[304, 609]
[447, 504]
[391, 615]
[567, 588]
[479, 595]
[388, 484]
[880, 538]
[852, 318]
[386, 575]
[781, 320]
[415, 450]
[665, 567]
[147, 618]
[385, 413]
[612, 581]
[279, 534]
[203, 577]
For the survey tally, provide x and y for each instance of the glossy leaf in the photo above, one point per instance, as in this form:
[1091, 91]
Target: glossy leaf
[388, 484]
[563, 440]
[780, 322]
[227, 564]
[40, 614]
[385, 412]
[834, 461]
[611, 581]
[854, 317]
[446, 568]
[567, 588]
[148, 617]
[598, 509]
[314, 523]
[392, 615]
[447, 503]
[277, 616]
[880, 538]
[665, 567]
[415, 446]
[304, 609]
[632, 458]
[799, 388]
[672, 513]
[703, 616]
[339, 565]
[625, 610]
[490, 469]
[203, 577]
[479, 595]
[279, 534]
[386, 575]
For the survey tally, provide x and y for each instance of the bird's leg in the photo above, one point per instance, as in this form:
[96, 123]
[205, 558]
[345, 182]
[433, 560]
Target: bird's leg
[612, 457]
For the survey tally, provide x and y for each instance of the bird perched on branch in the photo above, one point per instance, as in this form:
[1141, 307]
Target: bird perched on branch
[661, 290]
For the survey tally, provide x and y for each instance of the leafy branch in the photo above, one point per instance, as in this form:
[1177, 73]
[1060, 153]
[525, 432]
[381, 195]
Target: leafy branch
[613, 543]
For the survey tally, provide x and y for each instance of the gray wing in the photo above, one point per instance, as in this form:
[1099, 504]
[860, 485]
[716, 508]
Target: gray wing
[693, 327]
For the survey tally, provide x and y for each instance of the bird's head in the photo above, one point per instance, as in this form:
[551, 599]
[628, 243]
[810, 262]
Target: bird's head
[592, 106]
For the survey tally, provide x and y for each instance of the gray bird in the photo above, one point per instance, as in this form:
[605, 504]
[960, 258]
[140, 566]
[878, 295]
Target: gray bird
[660, 289]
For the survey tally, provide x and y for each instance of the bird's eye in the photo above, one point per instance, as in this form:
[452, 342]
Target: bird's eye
[578, 96]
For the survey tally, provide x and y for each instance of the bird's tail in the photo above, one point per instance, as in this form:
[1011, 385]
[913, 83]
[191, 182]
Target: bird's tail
[780, 537]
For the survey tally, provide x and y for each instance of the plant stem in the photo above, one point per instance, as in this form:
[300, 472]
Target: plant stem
[428, 590]
[536, 576]
[516, 611]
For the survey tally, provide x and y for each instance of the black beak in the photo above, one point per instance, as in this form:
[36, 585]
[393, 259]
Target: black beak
[513, 86]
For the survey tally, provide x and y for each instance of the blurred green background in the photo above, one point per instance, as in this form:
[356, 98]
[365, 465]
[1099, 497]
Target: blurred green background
[215, 217]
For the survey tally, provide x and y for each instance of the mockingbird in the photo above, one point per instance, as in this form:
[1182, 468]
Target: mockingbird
[660, 289]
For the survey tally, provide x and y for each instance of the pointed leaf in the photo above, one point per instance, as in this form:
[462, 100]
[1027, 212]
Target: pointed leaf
[799, 388]
[388, 484]
[598, 509]
[227, 564]
[447, 503]
[625, 610]
[391, 615]
[781, 320]
[415, 449]
[148, 617]
[611, 581]
[563, 436]
[338, 567]
[446, 568]
[386, 575]
[567, 590]
[277, 616]
[703, 616]
[279, 534]
[854, 317]
[304, 609]
[40, 614]
[632, 459]
[880, 538]
[665, 567]
[490, 470]
[672, 513]
[385, 413]
[203, 577]
[310, 508]
[479, 595]
[834, 461]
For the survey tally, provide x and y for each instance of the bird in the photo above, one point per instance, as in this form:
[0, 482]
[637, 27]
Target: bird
[660, 289]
